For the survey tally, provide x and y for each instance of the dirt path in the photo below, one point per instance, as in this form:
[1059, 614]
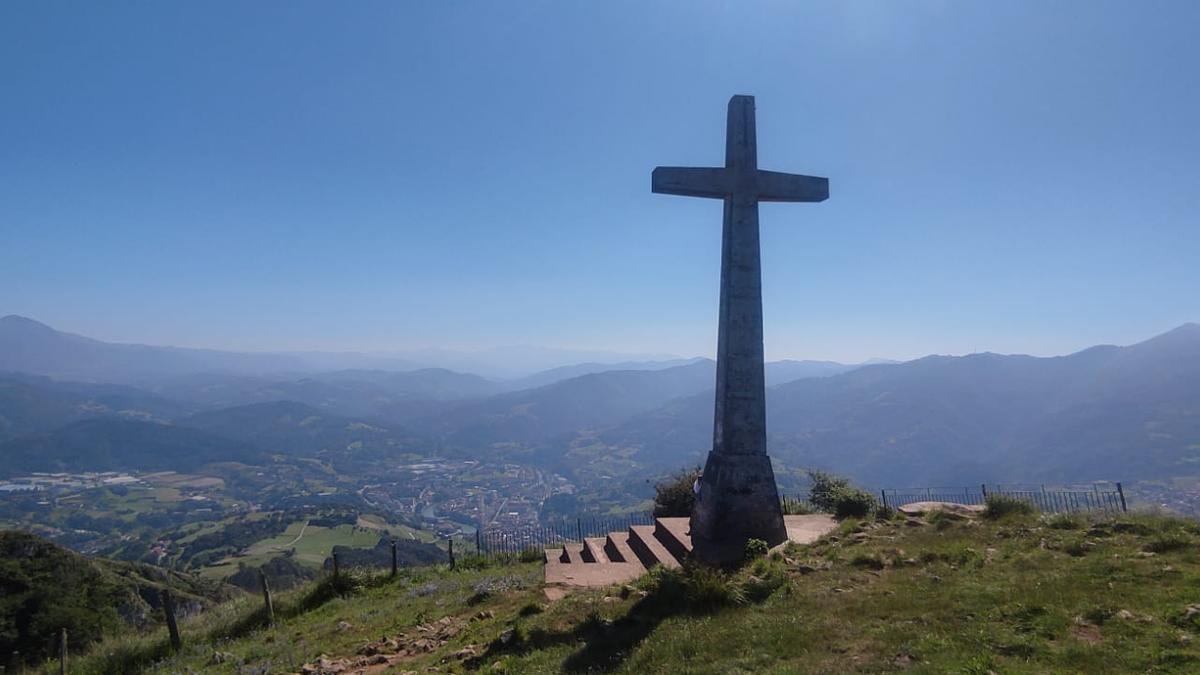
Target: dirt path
[292, 543]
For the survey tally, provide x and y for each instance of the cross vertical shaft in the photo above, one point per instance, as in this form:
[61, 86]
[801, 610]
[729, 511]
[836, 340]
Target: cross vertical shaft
[738, 499]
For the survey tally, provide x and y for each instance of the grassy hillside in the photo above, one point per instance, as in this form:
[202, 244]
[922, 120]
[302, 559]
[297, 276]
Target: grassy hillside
[44, 588]
[1015, 595]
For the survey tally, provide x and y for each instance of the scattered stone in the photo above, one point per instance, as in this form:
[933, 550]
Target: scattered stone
[325, 666]
[484, 615]
[344, 626]
[465, 653]
[219, 658]
[506, 637]
[1124, 615]
[1086, 632]
[609, 598]
[1146, 554]
[627, 591]
[805, 569]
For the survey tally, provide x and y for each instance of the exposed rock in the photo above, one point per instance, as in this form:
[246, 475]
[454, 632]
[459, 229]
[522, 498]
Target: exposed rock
[950, 508]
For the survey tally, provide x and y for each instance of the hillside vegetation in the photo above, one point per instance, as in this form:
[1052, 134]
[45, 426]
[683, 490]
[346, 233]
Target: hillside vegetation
[44, 588]
[1019, 593]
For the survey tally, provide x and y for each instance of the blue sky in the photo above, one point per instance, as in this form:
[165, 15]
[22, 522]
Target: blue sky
[1013, 177]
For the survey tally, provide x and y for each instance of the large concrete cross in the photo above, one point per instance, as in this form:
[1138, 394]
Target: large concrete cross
[738, 499]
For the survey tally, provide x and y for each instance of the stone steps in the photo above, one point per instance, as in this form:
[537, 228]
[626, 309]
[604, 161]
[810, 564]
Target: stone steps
[617, 547]
[624, 556]
[649, 549]
[593, 550]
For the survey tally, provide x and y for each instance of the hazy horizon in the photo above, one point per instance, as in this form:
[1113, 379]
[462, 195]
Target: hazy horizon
[563, 356]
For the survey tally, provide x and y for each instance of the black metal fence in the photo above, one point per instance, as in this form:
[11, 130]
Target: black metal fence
[500, 541]
[1049, 500]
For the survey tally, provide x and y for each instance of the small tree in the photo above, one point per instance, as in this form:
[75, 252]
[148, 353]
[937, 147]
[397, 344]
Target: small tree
[835, 494]
[675, 496]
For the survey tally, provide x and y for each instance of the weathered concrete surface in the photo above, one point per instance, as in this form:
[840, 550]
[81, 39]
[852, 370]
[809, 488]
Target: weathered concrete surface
[809, 528]
[738, 498]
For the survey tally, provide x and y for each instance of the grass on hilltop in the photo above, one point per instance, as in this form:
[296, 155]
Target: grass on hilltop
[1015, 594]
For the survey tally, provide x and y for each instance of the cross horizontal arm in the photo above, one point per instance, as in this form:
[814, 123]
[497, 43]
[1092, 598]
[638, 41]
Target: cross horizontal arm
[715, 183]
[774, 186]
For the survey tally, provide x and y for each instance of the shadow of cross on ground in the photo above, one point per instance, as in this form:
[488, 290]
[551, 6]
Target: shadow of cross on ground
[693, 589]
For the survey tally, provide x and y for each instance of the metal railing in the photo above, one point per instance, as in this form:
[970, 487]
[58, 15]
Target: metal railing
[1057, 499]
[501, 541]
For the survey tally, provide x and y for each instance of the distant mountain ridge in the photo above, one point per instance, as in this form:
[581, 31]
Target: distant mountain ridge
[32, 347]
[1104, 412]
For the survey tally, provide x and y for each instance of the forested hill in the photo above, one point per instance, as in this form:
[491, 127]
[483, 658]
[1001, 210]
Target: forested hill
[44, 588]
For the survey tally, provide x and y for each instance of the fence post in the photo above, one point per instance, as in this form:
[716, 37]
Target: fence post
[983, 489]
[1121, 494]
[450, 551]
[579, 528]
[478, 541]
[335, 565]
[394, 565]
[62, 652]
[268, 606]
[172, 626]
[883, 495]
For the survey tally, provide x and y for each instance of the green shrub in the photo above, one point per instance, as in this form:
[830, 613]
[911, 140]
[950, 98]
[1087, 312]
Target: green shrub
[1002, 506]
[1167, 542]
[834, 494]
[693, 587]
[756, 548]
[1076, 548]
[529, 609]
[529, 555]
[940, 519]
[674, 497]
[854, 503]
[1065, 521]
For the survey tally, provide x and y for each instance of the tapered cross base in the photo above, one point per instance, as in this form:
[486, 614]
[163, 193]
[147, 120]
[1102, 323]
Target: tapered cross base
[738, 501]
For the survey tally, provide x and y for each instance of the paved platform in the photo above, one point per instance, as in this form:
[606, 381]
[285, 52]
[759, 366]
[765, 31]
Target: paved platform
[624, 556]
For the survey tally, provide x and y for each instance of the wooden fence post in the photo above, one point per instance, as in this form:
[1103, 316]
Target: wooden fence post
[883, 495]
[983, 489]
[172, 626]
[62, 652]
[479, 541]
[267, 604]
[1121, 494]
[450, 550]
[394, 566]
[335, 565]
